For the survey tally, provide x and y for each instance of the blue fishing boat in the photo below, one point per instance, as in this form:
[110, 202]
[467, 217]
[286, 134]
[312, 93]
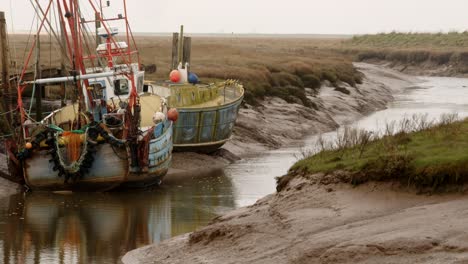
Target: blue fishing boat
[207, 112]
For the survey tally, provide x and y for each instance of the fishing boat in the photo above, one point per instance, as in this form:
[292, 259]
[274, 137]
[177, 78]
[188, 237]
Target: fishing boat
[114, 135]
[207, 111]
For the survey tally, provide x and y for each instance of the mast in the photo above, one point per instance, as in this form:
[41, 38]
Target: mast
[63, 57]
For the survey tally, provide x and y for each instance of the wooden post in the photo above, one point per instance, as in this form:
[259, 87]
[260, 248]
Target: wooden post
[38, 93]
[175, 41]
[6, 91]
[187, 50]
[181, 45]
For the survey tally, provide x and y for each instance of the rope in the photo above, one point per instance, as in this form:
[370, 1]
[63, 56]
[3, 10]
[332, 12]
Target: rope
[6, 113]
[49, 30]
[34, 85]
[6, 136]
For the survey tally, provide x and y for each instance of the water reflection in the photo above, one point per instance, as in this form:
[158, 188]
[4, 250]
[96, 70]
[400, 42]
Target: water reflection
[100, 228]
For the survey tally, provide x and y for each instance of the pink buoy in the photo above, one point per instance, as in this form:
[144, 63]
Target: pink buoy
[172, 114]
[174, 76]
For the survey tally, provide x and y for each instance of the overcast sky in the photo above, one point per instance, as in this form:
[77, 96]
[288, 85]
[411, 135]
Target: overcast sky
[277, 16]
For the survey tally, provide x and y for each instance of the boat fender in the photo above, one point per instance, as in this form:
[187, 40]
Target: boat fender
[158, 117]
[174, 76]
[173, 114]
[193, 78]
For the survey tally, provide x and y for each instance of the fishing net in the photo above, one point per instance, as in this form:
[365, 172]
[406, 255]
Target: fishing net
[72, 149]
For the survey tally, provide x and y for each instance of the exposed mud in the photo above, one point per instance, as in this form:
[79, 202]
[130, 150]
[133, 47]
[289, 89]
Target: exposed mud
[308, 222]
[275, 123]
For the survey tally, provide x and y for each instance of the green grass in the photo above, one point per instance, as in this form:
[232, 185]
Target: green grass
[432, 157]
[399, 40]
[425, 49]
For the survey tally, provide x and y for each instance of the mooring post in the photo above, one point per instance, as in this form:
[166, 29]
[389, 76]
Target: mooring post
[181, 45]
[175, 41]
[187, 50]
[4, 49]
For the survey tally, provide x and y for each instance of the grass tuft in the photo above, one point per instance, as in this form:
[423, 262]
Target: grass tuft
[414, 151]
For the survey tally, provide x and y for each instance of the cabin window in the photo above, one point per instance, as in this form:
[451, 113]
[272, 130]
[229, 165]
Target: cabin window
[121, 87]
[98, 90]
[140, 82]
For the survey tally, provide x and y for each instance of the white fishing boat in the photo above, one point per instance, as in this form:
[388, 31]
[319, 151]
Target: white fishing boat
[114, 135]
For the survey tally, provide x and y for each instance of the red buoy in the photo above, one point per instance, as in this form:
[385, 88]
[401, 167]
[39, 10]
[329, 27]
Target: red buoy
[172, 114]
[174, 76]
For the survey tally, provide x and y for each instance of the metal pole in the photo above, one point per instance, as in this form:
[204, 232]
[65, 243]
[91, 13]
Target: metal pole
[63, 86]
[75, 78]
[39, 75]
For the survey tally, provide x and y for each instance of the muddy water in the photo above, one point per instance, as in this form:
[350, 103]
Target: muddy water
[100, 228]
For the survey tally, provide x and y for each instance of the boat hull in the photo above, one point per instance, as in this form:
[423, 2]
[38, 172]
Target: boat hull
[205, 129]
[107, 172]
[110, 169]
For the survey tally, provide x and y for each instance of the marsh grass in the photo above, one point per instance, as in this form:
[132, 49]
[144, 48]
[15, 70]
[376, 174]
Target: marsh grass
[412, 49]
[416, 151]
[267, 66]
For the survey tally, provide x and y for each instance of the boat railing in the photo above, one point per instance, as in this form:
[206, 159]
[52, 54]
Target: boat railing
[182, 96]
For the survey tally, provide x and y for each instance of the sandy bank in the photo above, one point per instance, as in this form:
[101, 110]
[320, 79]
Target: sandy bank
[335, 223]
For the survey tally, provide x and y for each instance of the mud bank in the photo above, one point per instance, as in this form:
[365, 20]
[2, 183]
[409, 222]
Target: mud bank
[310, 222]
[276, 123]
[423, 68]
[7, 187]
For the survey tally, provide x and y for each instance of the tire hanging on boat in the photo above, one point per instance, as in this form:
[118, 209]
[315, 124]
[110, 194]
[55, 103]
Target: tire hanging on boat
[82, 162]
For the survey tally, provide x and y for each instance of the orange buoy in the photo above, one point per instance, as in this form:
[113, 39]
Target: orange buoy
[174, 76]
[28, 145]
[172, 114]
